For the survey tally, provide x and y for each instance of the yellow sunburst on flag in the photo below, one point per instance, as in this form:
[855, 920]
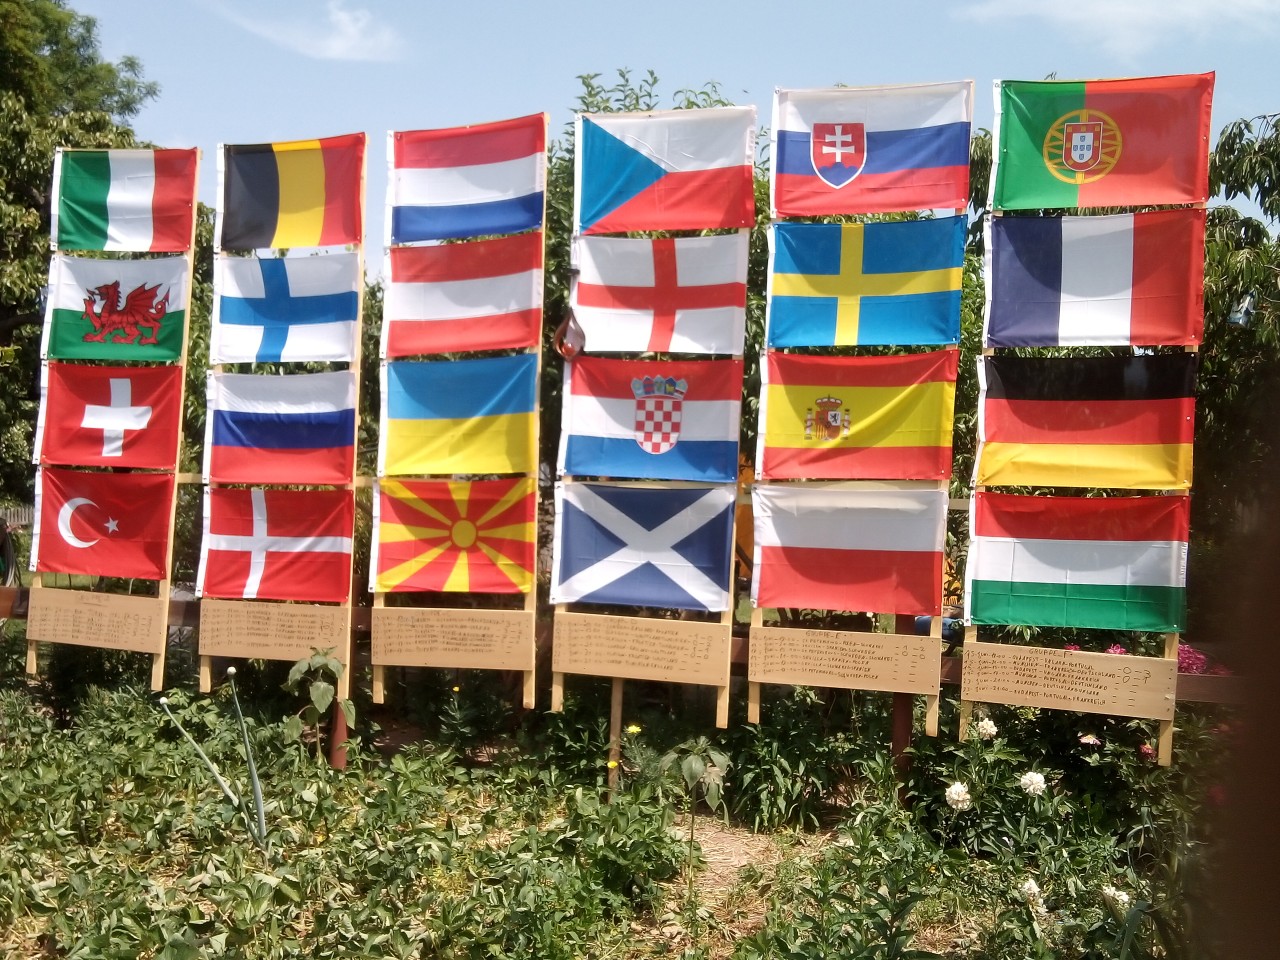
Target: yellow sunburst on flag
[455, 536]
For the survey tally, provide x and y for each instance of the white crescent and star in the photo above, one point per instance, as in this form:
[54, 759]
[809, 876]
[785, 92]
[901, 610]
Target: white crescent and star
[64, 522]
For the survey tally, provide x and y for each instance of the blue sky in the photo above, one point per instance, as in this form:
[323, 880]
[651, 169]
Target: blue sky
[249, 71]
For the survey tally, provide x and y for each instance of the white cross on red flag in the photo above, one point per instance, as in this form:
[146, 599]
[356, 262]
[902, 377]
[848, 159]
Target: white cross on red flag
[100, 416]
[684, 295]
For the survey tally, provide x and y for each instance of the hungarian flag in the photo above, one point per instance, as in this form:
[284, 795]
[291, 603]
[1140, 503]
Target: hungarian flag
[666, 170]
[1101, 143]
[98, 416]
[473, 181]
[468, 536]
[135, 200]
[1087, 421]
[476, 295]
[1129, 279]
[116, 309]
[102, 524]
[276, 544]
[821, 548]
[299, 193]
[686, 294]
[1112, 563]
[857, 418]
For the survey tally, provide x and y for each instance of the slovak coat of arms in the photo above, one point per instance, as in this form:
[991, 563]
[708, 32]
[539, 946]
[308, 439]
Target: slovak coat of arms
[838, 151]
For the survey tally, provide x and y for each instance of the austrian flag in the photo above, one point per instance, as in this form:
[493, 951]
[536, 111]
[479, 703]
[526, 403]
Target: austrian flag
[687, 294]
[276, 544]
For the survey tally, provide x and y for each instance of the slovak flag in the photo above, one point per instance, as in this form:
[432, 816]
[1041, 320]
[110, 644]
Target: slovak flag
[666, 170]
[280, 429]
[846, 150]
[276, 544]
[474, 181]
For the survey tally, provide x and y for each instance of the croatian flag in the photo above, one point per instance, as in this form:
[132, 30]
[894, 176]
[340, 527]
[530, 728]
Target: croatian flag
[651, 419]
[280, 429]
[645, 546]
[847, 150]
[686, 294]
[276, 545]
[467, 181]
[284, 309]
[477, 295]
[667, 170]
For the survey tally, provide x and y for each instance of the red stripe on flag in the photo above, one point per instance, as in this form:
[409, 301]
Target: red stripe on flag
[905, 370]
[1168, 278]
[1089, 421]
[343, 175]
[882, 581]
[173, 202]
[1082, 518]
[407, 338]
[475, 260]
[262, 465]
[469, 146]
[856, 463]
[708, 379]
[689, 200]
[803, 195]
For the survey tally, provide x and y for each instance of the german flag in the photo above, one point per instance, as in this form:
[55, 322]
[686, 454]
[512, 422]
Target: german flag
[299, 193]
[1087, 421]
[474, 536]
[857, 418]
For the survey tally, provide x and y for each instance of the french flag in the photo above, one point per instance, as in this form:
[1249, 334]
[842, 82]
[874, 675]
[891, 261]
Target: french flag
[280, 429]
[471, 181]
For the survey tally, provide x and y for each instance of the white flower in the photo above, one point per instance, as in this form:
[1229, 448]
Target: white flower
[986, 728]
[1032, 783]
[1030, 889]
[958, 797]
[1118, 897]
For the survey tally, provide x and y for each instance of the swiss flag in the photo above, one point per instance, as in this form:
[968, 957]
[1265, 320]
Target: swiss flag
[276, 544]
[101, 416]
[102, 524]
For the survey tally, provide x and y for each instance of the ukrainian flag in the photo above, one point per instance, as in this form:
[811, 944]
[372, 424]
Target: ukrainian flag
[459, 416]
[856, 284]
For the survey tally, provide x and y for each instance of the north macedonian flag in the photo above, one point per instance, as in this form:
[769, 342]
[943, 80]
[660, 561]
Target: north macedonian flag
[1101, 143]
[299, 193]
[857, 418]
[470, 536]
[1111, 563]
[1087, 421]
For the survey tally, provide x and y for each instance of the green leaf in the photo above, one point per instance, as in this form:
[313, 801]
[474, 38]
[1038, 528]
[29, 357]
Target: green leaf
[321, 695]
[292, 729]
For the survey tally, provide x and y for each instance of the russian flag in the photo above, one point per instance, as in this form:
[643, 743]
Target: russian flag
[471, 181]
[667, 170]
[280, 429]
[845, 150]
[651, 419]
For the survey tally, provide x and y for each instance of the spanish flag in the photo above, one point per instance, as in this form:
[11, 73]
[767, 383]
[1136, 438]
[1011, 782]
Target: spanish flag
[300, 193]
[459, 416]
[1087, 421]
[858, 418]
[474, 536]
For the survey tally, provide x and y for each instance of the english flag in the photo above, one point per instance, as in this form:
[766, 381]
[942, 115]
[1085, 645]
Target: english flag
[276, 544]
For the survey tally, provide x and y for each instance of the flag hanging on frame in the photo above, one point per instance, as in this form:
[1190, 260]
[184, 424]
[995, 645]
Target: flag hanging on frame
[871, 149]
[1111, 563]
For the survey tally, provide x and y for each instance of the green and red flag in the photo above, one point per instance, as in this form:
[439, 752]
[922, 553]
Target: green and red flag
[1101, 143]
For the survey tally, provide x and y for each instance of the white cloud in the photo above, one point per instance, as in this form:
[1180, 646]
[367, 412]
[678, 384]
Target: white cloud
[1129, 28]
[341, 32]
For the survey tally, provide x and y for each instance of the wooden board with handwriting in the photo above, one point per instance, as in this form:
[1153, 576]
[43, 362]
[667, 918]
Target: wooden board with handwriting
[891, 662]
[642, 648]
[112, 621]
[1125, 686]
[456, 638]
[272, 631]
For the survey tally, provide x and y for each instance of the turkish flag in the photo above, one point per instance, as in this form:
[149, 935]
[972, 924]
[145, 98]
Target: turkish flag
[101, 416]
[102, 524]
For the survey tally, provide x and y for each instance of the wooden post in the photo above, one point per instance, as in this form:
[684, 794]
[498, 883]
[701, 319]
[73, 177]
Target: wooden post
[615, 733]
[1164, 744]
[903, 707]
[753, 688]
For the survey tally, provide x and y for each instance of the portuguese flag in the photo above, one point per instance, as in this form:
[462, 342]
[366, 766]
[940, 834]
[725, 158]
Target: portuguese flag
[1101, 143]
[1112, 563]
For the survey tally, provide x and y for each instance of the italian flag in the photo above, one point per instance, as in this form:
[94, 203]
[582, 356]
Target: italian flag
[1108, 563]
[134, 200]
[1101, 143]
